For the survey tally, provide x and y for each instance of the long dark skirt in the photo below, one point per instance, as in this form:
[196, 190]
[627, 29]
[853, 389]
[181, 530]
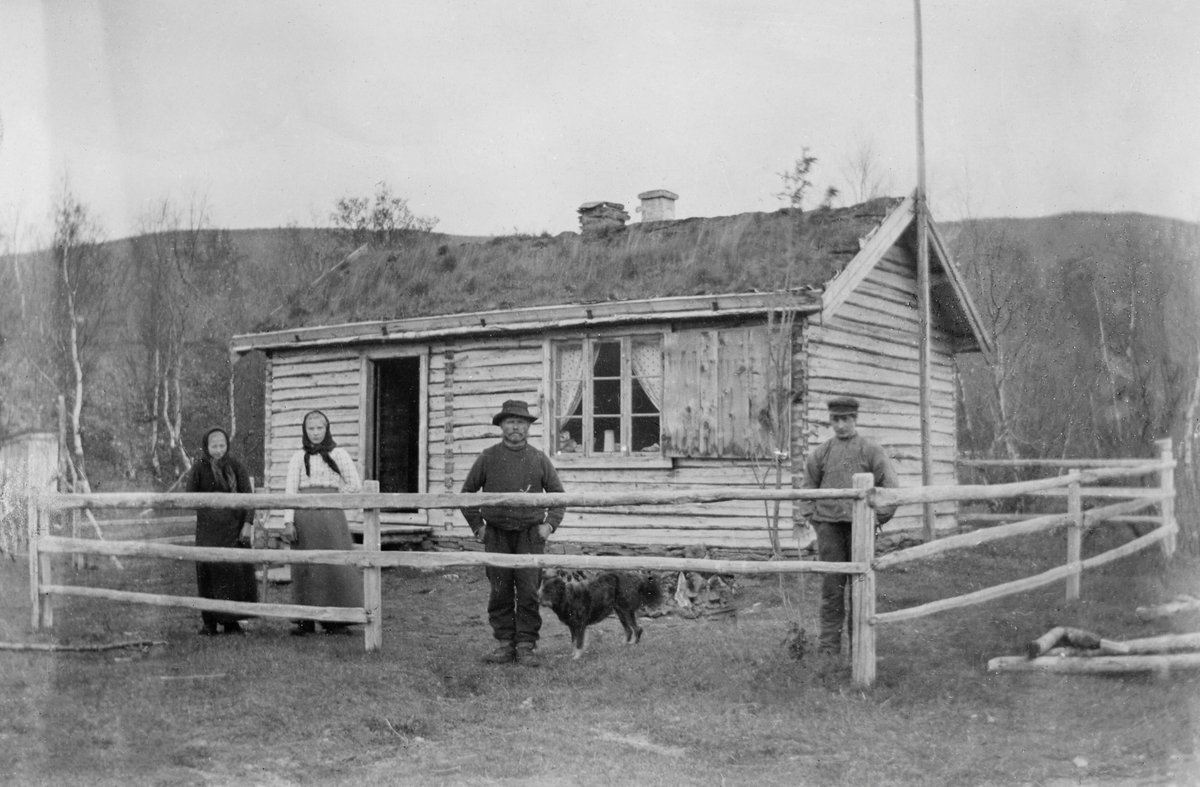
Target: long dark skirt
[228, 581]
[323, 585]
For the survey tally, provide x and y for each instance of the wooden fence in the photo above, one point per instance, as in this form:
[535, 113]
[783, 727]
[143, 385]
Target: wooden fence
[862, 567]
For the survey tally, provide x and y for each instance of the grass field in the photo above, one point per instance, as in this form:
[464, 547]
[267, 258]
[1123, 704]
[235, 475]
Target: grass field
[698, 702]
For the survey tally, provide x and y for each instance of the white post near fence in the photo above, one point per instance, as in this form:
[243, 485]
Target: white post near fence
[1074, 539]
[31, 534]
[372, 575]
[862, 588]
[1166, 480]
[78, 560]
[44, 574]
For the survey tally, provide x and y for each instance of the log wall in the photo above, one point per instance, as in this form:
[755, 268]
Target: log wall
[471, 378]
[325, 380]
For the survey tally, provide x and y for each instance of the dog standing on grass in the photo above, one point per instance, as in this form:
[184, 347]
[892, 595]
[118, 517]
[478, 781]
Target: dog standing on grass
[580, 603]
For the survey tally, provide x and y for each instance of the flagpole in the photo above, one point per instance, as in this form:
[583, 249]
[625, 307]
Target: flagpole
[921, 215]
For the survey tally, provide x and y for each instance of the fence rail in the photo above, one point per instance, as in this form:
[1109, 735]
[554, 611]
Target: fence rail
[862, 567]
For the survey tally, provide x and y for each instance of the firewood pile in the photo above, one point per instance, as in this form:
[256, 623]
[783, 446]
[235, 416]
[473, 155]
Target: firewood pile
[1065, 649]
[698, 595]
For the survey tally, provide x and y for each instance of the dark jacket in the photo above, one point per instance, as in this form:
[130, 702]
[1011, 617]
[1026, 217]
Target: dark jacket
[833, 466]
[219, 526]
[503, 469]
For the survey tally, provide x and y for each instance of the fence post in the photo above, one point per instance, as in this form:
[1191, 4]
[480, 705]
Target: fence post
[31, 534]
[372, 575]
[1074, 539]
[1166, 480]
[44, 577]
[79, 559]
[862, 588]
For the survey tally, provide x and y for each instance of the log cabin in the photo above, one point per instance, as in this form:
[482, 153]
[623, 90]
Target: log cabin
[659, 355]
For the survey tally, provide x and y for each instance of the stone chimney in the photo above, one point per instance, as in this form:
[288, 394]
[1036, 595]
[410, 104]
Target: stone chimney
[658, 205]
[596, 216]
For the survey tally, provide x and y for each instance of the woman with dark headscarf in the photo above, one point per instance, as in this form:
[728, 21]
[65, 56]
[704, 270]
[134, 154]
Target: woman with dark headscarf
[320, 467]
[217, 471]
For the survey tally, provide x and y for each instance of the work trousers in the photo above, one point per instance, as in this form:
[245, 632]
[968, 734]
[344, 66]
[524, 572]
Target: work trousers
[513, 603]
[833, 545]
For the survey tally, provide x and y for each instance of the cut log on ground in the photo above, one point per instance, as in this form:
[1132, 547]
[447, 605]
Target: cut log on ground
[1045, 642]
[1065, 636]
[51, 648]
[1096, 665]
[1167, 610]
[1167, 643]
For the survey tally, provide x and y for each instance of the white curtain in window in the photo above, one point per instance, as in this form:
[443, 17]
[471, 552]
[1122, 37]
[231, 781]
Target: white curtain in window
[570, 380]
[648, 369]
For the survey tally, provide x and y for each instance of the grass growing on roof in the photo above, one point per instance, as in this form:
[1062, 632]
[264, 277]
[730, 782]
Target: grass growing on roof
[426, 275]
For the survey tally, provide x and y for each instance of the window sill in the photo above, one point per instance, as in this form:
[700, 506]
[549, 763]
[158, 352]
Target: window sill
[612, 462]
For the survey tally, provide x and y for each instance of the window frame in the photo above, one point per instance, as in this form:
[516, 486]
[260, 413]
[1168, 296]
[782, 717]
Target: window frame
[588, 456]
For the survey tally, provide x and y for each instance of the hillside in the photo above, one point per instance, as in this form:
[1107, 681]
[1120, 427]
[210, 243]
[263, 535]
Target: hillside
[1095, 316]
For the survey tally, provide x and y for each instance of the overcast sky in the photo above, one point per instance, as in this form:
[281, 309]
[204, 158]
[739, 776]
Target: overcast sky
[497, 117]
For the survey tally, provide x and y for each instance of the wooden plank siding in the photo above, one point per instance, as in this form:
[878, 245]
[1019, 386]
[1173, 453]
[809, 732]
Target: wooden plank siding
[485, 372]
[869, 350]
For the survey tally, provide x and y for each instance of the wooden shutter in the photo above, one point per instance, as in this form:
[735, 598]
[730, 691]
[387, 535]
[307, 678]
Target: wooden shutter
[717, 392]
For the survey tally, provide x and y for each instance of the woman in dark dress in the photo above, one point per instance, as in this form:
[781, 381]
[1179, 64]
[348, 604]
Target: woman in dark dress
[217, 471]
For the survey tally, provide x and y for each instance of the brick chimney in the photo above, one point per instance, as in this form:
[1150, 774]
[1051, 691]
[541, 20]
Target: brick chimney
[658, 205]
[596, 216]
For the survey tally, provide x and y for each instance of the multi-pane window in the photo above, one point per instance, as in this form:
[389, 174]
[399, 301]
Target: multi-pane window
[608, 395]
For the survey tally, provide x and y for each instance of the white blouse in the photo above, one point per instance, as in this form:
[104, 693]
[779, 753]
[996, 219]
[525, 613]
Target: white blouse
[321, 475]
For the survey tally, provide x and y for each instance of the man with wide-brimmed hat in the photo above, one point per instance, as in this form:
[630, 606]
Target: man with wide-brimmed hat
[513, 465]
[833, 466]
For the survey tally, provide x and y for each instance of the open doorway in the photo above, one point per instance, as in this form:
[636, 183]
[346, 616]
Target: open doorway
[396, 420]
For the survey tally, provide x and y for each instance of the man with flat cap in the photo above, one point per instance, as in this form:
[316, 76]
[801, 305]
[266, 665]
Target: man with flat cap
[513, 465]
[833, 465]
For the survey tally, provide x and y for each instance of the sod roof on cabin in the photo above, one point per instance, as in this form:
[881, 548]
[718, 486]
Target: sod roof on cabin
[751, 252]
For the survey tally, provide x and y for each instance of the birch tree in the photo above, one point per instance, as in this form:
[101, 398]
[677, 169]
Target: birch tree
[82, 295]
[189, 302]
[1002, 280]
[864, 174]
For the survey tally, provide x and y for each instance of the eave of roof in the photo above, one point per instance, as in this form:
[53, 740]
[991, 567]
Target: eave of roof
[530, 319]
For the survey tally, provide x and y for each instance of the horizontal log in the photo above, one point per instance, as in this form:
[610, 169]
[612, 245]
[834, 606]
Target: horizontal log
[1168, 610]
[284, 370]
[1167, 643]
[973, 539]
[1096, 664]
[497, 355]
[56, 648]
[312, 381]
[291, 611]
[934, 494]
[1067, 463]
[988, 519]
[395, 530]
[437, 560]
[1022, 585]
[668, 539]
[1095, 516]
[196, 500]
[1104, 491]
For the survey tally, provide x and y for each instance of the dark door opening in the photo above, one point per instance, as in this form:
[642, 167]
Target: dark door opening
[397, 423]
